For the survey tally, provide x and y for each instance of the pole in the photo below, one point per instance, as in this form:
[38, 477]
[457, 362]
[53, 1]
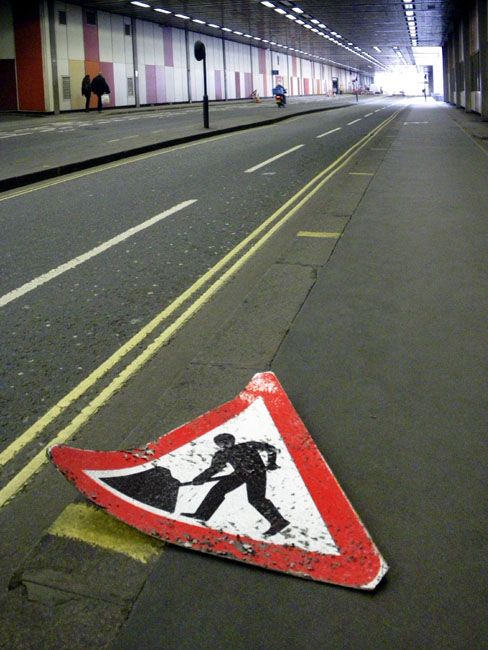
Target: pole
[205, 96]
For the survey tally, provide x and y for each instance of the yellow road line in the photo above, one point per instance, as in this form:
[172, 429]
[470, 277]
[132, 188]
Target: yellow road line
[19, 480]
[310, 233]
[87, 523]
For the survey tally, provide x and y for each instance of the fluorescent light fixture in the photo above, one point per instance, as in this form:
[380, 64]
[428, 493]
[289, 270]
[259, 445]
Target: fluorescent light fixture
[140, 4]
[198, 21]
[182, 16]
[268, 4]
[247, 35]
[214, 25]
[226, 29]
[265, 40]
[307, 26]
[300, 22]
[236, 32]
[291, 17]
[162, 11]
[322, 26]
[297, 10]
[376, 48]
[315, 21]
[280, 11]
[256, 38]
[409, 13]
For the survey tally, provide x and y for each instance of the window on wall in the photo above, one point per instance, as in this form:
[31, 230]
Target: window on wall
[130, 86]
[62, 17]
[66, 87]
[91, 17]
[127, 29]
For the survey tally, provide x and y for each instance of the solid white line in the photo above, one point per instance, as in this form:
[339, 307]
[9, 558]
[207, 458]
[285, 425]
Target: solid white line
[328, 132]
[270, 160]
[76, 261]
[354, 121]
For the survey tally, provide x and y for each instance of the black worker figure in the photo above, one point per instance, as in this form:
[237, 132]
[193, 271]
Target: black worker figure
[250, 469]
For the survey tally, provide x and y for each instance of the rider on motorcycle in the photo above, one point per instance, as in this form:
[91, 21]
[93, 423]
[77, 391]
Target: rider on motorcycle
[280, 90]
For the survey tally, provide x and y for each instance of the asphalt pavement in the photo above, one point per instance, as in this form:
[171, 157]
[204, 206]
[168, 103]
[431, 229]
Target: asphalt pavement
[379, 338]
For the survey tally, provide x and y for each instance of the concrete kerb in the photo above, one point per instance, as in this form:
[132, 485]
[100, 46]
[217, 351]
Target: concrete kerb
[69, 168]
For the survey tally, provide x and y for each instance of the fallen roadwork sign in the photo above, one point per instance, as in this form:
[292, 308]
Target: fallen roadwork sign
[244, 481]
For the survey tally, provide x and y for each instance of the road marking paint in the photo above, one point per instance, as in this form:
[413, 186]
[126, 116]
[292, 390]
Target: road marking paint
[354, 121]
[29, 470]
[325, 235]
[114, 140]
[80, 259]
[361, 173]
[127, 137]
[270, 160]
[378, 110]
[368, 114]
[322, 135]
[89, 524]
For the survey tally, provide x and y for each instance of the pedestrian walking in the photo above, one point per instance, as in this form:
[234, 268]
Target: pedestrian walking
[250, 469]
[100, 87]
[86, 90]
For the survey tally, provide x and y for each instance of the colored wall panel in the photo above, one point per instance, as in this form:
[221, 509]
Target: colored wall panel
[247, 84]
[218, 85]
[107, 69]
[238, 84]
[28, 50]
[92, 68]
[151, 93]
[76, 72]
[160, 84]
[90, 40]
[168, 47]
[8, 87]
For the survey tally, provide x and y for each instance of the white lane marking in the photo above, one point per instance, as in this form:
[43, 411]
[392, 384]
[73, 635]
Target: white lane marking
[354, 121]
[76, 261]
[115, 140]
[322, 135]
[270, 160]
[368, 114]
[378, 110]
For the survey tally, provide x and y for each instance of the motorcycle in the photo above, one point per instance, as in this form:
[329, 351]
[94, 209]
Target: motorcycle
[279, 99]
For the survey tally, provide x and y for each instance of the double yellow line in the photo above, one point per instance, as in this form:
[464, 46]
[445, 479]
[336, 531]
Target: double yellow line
[268, 227]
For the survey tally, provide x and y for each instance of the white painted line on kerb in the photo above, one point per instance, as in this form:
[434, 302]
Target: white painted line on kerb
[270, 160]
[76, 261]
[322, 135]
[354, 121]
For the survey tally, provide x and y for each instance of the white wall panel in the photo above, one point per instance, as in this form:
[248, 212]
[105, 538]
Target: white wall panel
[63, 71]
[129, 73]
[118, 38]
[142, 85]
[120, 83]
[105, 36]
[140, 42]
[158, 46]
[148, 36]
[76, 46]
[61, 32]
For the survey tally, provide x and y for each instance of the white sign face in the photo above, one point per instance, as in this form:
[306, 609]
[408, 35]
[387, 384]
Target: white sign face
[284, 486]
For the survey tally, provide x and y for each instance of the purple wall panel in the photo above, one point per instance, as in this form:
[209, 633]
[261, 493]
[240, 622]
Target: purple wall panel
[160, 84]
[151, 91]
[238, 85]
[168, 47]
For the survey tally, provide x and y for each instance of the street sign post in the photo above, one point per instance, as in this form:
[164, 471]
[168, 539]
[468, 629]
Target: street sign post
[244, 481]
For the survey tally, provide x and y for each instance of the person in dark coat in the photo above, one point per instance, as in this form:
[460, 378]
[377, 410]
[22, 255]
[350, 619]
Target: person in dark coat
[100, 87]
[86, 90]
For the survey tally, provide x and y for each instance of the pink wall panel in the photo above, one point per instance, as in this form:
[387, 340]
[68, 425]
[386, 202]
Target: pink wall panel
[90, 38]
[248, 84]
[262, 61]
[218, 85]
[238, 84]
[151, 91]
[168, 47]
[306, 87]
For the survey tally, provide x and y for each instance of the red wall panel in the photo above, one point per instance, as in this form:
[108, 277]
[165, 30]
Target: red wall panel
[28, 55]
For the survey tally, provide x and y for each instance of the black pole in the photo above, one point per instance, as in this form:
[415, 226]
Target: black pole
[205, 96]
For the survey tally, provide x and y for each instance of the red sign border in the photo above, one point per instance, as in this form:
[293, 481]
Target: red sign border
[359, 564]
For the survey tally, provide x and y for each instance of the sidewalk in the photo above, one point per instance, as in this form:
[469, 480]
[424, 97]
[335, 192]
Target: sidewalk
[381, 344]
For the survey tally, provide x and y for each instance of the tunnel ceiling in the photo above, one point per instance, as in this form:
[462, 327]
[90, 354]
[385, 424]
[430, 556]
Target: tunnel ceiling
[345, 32]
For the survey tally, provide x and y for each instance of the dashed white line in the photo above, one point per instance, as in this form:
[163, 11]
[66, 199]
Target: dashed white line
[322, 135]
[368, 114]
[270, 160]
[76, 261]
[354, 121]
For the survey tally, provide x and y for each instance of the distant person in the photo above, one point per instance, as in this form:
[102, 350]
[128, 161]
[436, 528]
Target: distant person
[100, 87]
[425, 93]
[86, 90]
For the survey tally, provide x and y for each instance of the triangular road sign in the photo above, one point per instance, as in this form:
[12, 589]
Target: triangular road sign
[244, 481]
